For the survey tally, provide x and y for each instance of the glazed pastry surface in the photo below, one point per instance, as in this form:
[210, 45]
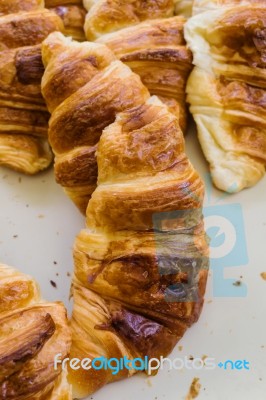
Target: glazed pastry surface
[32, 333]
[141, 263]
[23, 114]
[226, 92]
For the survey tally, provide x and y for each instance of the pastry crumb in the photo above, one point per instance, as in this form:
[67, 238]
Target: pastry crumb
[53, 284]
[263, 275]
[15, 236]
[40, 216]
[237, 283]
[148, 381]
[180, 348]
[194, 389]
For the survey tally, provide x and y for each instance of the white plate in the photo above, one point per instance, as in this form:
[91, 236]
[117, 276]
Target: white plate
[38, 226]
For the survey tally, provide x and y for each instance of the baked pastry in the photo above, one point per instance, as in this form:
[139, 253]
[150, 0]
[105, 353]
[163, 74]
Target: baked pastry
[155, 48]
[102, 87]
[15, 6]
[141, 265]
[157, 52]
[23, 114]
[226, 91]
[137, 249]
[33, 332]
[107, 16]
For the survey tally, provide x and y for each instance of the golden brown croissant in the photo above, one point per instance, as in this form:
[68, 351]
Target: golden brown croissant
[102, 87]
[155, 49]
[157, 52]
[226, 91]
[23, 114]
[126, 265]
[107, 16]
[141, 264]
[33, 332]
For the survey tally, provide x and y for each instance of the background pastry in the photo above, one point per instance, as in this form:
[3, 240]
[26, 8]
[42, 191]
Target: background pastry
[23, 114]
[226, 91]
[157, 52]
[33, 332]
[150, 41]
[15, 6]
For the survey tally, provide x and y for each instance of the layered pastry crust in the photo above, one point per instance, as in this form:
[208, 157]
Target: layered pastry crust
[103, 87]
[32, 333]
[15, 6]
[226, 91]
[141, 265]
[109, 16]
[157, 52]
[23, 114]
[150, 41]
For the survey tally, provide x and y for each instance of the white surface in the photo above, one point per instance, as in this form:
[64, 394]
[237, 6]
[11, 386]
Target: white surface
[229, 328]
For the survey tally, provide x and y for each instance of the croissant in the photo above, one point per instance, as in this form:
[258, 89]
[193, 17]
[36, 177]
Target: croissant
[33, 332]
[155, 49]
[76, 78]
[126, 265]
[157, 52]
[137, 250]
[23, 114]
[109, 16]
[226, 92]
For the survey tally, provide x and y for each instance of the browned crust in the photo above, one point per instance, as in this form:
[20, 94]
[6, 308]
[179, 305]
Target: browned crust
[27, 29]
[108, 16]
[15, 6]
